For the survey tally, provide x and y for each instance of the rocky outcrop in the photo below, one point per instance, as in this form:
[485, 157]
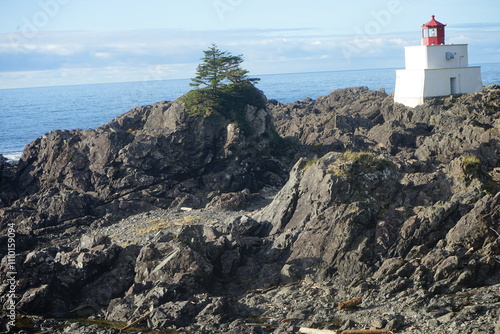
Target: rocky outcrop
[3, 161]
[395, 205]
[54, 281]
[344, 216]
[156, 156]
[8, 189]
[356, 118]
[338, 121]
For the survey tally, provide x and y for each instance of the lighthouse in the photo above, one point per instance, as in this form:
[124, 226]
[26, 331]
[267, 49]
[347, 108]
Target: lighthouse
[435, 69]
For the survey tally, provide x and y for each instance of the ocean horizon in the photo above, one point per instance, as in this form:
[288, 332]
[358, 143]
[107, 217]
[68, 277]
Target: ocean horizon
[28, 113]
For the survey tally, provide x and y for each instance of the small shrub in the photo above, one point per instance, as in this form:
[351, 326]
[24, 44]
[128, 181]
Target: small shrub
[309, 163]
[471, 166]
[355, 163]
[198, 102]
[231, 102]
[159, 224]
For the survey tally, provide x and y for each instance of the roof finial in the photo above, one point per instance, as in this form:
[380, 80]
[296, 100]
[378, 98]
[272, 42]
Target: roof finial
[433, 17]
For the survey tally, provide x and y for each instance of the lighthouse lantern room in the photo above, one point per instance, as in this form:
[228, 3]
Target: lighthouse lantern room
[433, 32]
[435, 69]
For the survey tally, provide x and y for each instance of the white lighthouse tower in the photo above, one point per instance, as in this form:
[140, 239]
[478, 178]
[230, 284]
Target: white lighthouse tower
[435, 69]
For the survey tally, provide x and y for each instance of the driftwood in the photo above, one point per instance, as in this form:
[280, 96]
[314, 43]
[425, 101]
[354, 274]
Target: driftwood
[262, 290]
[261, 324]
[367, 331]
[144, 316]
[272, 288]
[350, 303]
[93, 307]
[306, 330]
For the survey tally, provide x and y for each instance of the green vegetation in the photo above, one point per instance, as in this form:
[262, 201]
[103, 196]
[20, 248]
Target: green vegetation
[223, 87]
[354, 163]
[309, 163]
[472, 167]
[218, 68]
[231, 102]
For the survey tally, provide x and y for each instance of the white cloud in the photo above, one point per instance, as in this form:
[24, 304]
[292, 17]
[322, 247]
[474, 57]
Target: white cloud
[91, 75]
[104, 55]
[56, 57]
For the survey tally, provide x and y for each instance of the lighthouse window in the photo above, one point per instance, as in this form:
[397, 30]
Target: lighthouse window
[433, 32]
[426, 32]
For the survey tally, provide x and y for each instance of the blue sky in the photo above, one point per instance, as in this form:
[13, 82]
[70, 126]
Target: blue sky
[58, 42]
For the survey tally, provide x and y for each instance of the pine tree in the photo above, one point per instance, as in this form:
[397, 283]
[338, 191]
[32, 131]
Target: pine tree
[217, 68]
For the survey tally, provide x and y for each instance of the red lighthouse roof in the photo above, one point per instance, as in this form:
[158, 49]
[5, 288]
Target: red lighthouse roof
[433, 32]
[433, 23]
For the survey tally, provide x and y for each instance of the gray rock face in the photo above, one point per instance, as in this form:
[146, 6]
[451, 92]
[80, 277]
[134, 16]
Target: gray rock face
[357, 118]
[8, 190]
[398, 206]
[154, 156]
[480, 227]
[2, 166]
[326, 215]
[330, 122]
[342, 222]
[3, 161]
[54, 281]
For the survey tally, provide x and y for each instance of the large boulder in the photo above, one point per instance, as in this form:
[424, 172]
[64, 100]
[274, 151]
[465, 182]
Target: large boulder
[8, 188]
[480, 228]
[325, 217]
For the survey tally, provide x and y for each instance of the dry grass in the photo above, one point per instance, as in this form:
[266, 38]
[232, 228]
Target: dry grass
[159, 224]
[353, 163]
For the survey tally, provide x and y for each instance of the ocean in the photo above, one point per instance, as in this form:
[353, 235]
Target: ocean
[28, 113]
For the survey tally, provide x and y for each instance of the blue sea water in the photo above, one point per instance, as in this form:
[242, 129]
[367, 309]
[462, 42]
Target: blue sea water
[27, 113]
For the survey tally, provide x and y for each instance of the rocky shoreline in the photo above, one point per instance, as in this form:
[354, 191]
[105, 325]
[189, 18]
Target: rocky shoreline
[206, 225]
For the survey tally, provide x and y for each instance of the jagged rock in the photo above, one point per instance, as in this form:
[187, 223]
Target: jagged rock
[232, 201]
[407, 219]
[8, 189]
[479, 227]
[55, 281]
[442, 129]
[150, 157]
[331, 219]
[169, 260]
[329, 215]
[245, 226]
[330, 122]
[3, 161]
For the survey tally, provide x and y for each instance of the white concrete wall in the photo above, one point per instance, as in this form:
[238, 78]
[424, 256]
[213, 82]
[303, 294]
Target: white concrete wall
[416, 57]
[437, 82]
[409, 87]
[434, 56]
[413, 86]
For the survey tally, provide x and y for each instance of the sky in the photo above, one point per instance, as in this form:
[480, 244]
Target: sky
[63, 42]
